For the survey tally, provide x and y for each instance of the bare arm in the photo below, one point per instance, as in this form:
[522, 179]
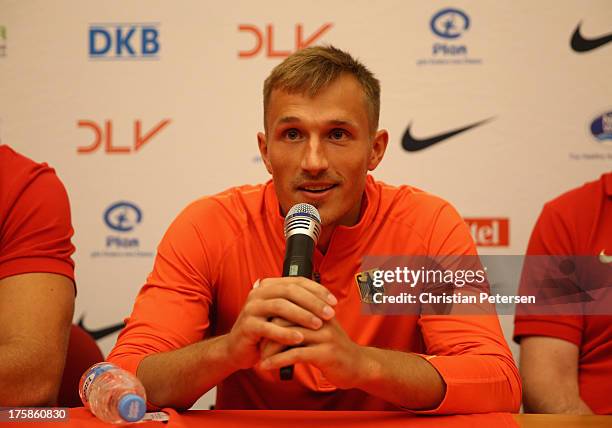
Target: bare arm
[178, 378]
[35, 314]
[549, 369]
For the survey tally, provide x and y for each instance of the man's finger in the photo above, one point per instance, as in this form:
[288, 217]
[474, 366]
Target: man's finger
[302, 354]
[296, 294]
[268, 330]
[290, 312]
[269, 348]
[314, 287]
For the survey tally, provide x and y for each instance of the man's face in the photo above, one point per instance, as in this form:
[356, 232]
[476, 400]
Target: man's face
[319, 149]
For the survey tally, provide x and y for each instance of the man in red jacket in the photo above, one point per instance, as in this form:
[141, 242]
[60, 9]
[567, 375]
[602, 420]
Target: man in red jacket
[199, 317]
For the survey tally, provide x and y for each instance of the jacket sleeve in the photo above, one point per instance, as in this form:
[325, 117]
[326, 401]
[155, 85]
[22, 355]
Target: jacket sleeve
[468, 350]
[172, 308]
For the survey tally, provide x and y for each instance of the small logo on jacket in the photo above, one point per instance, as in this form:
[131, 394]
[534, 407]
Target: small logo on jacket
[365, 286]
[604, 258]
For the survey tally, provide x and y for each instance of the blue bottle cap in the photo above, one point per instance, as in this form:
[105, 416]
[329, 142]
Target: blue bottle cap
[132, 407]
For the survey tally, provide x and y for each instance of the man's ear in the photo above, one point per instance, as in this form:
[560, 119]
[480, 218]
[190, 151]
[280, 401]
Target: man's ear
[379, 145]
[263, 150]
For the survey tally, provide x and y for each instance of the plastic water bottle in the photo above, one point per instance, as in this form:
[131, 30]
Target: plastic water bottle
[112, 394]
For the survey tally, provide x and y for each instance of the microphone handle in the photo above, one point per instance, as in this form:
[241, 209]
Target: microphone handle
[298, 256]
[298, 262]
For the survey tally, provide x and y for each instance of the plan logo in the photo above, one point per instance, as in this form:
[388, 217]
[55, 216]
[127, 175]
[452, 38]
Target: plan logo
[601, 127]
[450, 23]
[490, 232]
[103, 134]
[124, 41]
[122, 218]
[263, 40]
[448, 26]
[2, 40]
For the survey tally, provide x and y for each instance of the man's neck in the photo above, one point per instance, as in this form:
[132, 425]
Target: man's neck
[328, 231]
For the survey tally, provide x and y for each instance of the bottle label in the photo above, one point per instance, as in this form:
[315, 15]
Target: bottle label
[156, 416]
[93, 373]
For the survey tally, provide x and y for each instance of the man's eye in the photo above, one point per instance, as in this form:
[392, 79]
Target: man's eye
[292, 134]
[338, 134]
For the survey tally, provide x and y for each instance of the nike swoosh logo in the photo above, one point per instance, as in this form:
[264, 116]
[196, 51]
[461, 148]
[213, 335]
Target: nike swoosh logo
[604, 258]
[101, 332]
[412, 144]
[580, 44]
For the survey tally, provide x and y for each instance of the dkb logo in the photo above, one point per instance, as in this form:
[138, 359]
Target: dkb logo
[124, 41]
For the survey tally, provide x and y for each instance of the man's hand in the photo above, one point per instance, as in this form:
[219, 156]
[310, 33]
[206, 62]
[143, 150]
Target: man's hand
[328, 348]
[303, 303]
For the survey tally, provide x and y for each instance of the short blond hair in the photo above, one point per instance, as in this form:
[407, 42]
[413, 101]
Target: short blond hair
[311, 69]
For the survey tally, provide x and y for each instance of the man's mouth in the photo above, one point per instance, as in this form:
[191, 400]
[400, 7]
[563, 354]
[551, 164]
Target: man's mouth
[316, 188]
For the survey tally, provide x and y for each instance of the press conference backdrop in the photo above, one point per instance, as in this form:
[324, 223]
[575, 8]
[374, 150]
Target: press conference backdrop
[144, 106]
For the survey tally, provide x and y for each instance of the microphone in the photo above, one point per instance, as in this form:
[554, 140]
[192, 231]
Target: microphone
[302, 230]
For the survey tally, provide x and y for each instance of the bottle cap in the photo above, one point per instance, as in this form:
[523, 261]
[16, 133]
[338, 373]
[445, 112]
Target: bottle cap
[132, 407]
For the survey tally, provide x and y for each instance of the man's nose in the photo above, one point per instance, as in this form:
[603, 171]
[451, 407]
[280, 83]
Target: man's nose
[314, 158]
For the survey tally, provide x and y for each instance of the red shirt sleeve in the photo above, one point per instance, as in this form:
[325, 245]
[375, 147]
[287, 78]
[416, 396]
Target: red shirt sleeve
[35, 223]
[469, 351]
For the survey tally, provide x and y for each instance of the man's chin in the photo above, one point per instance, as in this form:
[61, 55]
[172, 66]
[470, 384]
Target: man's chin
[327, 218]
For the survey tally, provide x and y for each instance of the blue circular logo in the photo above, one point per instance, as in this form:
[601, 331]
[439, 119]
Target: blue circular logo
[450, 23]
[122, 216]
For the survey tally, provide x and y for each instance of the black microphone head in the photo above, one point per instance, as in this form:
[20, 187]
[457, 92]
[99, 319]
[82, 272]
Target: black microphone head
[303, 219]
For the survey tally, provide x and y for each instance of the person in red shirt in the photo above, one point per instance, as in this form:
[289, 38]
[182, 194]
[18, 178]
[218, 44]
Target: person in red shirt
[36, 281]
[214, 310]
[574, 350]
